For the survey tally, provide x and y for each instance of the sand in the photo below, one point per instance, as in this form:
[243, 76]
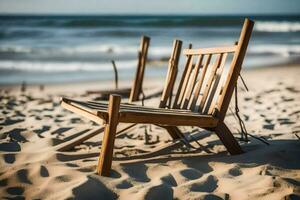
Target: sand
[147, 163]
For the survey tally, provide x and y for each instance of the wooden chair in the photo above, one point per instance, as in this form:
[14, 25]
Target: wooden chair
[134, 92]
[202, 100]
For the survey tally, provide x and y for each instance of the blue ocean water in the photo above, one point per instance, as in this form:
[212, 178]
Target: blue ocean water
[52, 49]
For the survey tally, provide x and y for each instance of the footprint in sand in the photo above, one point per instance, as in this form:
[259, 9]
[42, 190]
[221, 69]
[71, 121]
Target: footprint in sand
[76, 120]
[214, 197]
[169, 180]
[61, 130]
[124, 185]
[3, 182]
[15, 190]
[40, 131]
[10, 147]
[9, 158]
[9, 121]
[44, 171]
[22, 175]
[235, 171]
[137, 172]
[191, 174]
[16, 135]
[160, 192]
[72, 165]
[269, 126]
[208, 185]
[86, 169]
[93, 189]
[285, 121]
[63, 178]
[292, 89]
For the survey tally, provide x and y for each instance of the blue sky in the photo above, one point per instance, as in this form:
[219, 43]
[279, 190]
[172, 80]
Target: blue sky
[197, 7]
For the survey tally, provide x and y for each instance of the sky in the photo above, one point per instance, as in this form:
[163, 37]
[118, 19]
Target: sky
[174, 7]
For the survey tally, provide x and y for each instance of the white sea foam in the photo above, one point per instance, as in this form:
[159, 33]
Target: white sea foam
[15, 49]
[86, 49]
[271, 26]
[283, 50]
[63, 66]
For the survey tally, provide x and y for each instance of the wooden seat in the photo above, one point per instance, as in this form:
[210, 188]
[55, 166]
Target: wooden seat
[130, 113]
[202, 99]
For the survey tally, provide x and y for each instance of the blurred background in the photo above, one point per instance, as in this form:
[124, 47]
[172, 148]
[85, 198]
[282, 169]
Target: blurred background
[66, 41]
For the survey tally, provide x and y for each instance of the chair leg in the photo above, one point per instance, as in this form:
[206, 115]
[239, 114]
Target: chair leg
[174, 132]
[227, 139]
[105, 158]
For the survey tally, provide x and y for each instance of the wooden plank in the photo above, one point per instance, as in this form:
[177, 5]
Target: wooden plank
[85, 113]
[191, 84]
[173, 119]
[210, 103]
[172, 74]
[105, 158]
[227, 139]
[235, 68]
[185, 82]
[214, 50]
[209, 82]
[200, 83]
[102, 107]
[176, 103]
[139, 77]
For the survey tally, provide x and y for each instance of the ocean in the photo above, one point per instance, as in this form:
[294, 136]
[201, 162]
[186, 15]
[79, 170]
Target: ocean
[59, 49]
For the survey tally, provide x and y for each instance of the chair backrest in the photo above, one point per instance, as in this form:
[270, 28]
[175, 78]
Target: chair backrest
[207, 82]
[137, 86]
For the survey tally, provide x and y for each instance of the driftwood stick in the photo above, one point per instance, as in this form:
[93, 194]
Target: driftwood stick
[78, 140]
[116, 73]
[66, 146]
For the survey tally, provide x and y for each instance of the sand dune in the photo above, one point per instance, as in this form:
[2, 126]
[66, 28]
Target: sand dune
[147, 163]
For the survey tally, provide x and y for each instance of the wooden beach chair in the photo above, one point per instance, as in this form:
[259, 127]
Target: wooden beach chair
[134, 92]
[202, 99]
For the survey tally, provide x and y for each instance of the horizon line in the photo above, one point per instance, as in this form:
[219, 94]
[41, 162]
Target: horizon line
[150, 14]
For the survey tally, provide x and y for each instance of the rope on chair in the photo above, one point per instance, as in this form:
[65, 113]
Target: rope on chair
[243, 131]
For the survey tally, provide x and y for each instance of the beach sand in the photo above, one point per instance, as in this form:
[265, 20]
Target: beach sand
[147, 163]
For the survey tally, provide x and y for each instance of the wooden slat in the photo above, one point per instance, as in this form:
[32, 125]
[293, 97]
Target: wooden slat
[215, 50]
[209, 81]
[138, 81]
[174, 119]
[235, 68]
[191, 83]
[200, 82]
[85, 113]
[188, 60]
[97, 107]
[213, 93]
[172, 73]
[185, 79]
